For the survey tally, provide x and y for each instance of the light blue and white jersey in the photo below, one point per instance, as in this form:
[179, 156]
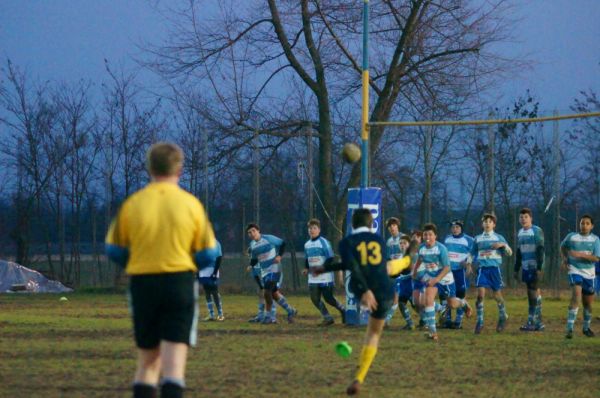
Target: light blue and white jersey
[432, 260]
[207, 272]
[482, 252]
[459, 250]
[392, 248]
[586, 244]
[528, 241]
[265, 250]
[317, 251]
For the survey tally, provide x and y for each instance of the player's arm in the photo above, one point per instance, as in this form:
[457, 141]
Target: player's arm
[540, 253]
[116, 247]
[359, 282]
[437, 279]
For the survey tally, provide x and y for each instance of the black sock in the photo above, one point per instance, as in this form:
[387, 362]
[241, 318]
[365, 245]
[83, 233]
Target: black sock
[171, 390]
[144, 391]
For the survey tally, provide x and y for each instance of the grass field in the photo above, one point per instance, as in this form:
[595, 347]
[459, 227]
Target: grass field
[83, 348]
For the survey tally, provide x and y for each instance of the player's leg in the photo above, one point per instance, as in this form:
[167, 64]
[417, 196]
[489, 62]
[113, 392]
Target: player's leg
[587, 293]
[268, 294]
[261, 301]
[404, 296]
[144, 305]
[315, 297]
[178, 331]
[429, 311]
[279, 298]
[461, 284]
[502, 315]
[173, 362]
[573, 304]
[218, 302]
[480, 309]
[390, 314]
[208, 294]
[370, 344]
[330, 299]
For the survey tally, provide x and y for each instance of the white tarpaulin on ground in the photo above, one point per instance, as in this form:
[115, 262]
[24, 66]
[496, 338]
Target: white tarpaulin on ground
[15, 277]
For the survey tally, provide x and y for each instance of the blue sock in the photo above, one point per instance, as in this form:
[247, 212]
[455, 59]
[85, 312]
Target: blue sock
[502, 310]
[587, 318]
[571, 319]
[430, 319]
[531, 315]
[480, 312]
[460, 312]
[211, 311]
[406, 314]
[449, 315]
[261, 309]
[284, 304]
[220, 306]
[390, 313]
[538, 310]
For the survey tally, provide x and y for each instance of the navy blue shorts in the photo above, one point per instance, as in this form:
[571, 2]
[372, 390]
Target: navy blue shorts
[446, 291]
[461, 282]
[489, 277]
[418, 285]
[587, 285]
[208, 281]
[271, 281]
[529, 276]
[597, 283]
[404, 288]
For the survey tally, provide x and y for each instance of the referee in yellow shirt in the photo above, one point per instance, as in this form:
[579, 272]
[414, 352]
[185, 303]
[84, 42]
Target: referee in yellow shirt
[161, 236]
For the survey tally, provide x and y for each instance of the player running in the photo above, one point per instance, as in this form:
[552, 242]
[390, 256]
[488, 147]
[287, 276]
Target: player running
[530, 257]
[459, 247]
[318, 252]
[580, 251]
[266, 252]
[488, 249]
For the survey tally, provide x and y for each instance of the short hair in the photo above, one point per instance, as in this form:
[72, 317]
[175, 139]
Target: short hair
[313, 221]
[391, 221]
[252, 225]
[430, 227]
[417, 232]
[589, 217]
[489, 216]
[164, 159]
[362, 218]
[526, 210]
[406, 238]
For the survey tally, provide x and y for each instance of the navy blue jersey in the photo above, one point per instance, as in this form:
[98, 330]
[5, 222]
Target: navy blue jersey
[363, 253]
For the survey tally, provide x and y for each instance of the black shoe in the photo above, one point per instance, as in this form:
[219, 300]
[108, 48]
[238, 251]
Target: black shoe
[353, 388]
[569, 334]
[588, 332]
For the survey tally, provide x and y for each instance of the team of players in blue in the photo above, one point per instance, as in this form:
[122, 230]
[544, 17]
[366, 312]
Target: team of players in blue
[440, 268]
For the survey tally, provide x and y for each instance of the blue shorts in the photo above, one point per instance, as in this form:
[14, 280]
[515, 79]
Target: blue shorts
[529, 276]
[404, 288]
[587, 285]
[489, 277]
[446, 291]
[418, 285]
[597, 283]
[461, 282]
[208, 281]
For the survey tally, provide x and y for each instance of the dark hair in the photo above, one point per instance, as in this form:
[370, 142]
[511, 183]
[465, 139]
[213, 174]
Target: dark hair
[588, 217]
[252, 225]
[430, 227]
[417, 232]
[488, 216]
[405, 237]
[362, 218]
[526, 210]
[313, 221]
[392, 221]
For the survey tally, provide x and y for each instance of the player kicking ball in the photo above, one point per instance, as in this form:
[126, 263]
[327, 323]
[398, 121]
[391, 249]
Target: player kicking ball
[363, 253]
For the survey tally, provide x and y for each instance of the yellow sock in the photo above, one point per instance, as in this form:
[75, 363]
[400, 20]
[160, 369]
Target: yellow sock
[364, 362]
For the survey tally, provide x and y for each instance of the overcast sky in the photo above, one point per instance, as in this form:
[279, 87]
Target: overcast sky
[69, 39]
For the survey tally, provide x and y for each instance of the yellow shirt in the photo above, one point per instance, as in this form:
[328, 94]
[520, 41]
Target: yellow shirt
[162, 226]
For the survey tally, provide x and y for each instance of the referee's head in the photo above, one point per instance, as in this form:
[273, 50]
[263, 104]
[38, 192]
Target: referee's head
[164, 159]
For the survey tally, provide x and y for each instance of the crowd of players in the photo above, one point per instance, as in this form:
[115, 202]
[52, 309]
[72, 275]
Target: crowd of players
[164, 240]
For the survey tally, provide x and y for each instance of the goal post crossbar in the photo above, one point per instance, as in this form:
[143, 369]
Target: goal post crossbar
[480, 122]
